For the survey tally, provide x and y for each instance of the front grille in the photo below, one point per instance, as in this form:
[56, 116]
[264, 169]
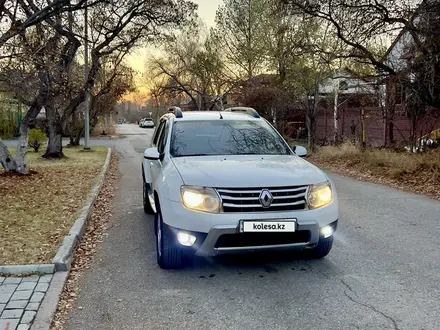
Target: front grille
[261, 239]
[247, 199]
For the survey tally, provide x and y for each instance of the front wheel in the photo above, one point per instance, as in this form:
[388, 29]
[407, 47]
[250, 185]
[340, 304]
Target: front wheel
[169, 254]
[323, 248]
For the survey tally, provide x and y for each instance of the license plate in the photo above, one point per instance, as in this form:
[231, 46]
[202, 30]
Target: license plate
[268, 226]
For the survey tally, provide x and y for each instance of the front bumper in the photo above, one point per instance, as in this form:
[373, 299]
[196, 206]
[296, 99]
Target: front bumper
[225, 239]
[209, 228]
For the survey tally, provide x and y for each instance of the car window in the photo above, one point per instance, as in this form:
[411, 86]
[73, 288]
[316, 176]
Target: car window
[157, 132]
[163, 138]
[225, 137]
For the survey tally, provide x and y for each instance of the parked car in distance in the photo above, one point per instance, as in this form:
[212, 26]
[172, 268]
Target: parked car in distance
[147, 123]
[227, 182]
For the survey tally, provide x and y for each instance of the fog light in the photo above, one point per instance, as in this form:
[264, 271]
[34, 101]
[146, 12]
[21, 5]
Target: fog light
[327, 231]
[186, 239]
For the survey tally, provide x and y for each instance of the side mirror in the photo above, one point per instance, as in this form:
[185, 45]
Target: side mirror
[152, 154]
[300, 151]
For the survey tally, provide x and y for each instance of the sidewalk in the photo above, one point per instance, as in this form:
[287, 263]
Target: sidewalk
[20, 299]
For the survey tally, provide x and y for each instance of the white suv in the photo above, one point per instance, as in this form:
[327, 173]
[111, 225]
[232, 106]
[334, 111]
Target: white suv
[147, 123]
[227, 182]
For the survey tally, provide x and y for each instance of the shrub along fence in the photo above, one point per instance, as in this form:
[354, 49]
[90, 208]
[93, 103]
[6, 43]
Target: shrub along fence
[10, 118]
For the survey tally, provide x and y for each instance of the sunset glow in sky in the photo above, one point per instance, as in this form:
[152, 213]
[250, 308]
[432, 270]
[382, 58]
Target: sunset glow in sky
[206, 11]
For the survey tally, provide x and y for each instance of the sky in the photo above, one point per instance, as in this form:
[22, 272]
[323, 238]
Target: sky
[206, 11]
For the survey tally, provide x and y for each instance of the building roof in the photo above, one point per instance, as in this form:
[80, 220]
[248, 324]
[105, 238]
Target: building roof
[404, 31]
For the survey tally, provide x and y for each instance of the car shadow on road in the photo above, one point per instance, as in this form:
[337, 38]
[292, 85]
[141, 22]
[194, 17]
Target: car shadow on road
[262, 263]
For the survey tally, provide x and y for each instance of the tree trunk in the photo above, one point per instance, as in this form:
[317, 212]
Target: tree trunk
[73, 129]
[79, 134]
[18, 164]
[22, 145]
[22, 148]
[335, 114]
[413, 135]
[199, 103]
[311, 130]
[391, 126]
[54, 145]
[6, 160]
[54, 130]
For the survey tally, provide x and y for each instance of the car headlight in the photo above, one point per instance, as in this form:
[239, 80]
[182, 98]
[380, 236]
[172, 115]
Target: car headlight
[200, 199]
[320, 195]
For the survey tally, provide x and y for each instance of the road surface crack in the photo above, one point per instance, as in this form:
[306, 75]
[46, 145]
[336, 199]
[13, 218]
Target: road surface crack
[374, 309]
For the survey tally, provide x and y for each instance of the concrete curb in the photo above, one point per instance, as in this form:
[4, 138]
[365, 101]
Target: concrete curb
[27, 269]
[49, 305]
[64, 256]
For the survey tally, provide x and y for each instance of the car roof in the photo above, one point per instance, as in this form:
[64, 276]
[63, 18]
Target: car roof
[212, 115]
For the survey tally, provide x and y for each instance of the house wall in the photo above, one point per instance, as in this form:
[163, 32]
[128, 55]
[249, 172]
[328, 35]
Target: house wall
[394, 57]
[353, 84]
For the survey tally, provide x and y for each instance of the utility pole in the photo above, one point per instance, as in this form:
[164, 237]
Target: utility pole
[86, 75]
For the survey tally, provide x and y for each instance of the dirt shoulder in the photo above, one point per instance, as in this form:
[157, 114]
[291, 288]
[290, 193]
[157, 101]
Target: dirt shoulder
[419, 173]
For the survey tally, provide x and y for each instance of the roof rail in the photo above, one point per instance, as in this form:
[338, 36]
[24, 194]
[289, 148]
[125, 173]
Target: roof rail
[250, 111]
[177, 111]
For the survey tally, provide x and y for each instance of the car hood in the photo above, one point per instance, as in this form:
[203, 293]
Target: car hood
[247, 171]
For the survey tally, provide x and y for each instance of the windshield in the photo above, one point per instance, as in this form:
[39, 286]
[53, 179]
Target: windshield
[224, 137]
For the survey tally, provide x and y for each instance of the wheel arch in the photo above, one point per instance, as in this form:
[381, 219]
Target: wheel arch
[156, 199]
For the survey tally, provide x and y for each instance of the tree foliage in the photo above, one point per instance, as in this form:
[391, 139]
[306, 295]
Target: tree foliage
[192, 67]
[241, 29]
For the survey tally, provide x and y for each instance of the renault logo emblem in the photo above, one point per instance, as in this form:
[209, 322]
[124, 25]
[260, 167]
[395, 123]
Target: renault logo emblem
[266, 198]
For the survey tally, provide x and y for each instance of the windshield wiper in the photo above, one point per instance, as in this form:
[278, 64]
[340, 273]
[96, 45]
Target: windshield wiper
[249, 153]
[190, 155]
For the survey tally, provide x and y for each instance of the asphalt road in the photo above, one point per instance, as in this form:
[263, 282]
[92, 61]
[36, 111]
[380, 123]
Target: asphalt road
[383, 271]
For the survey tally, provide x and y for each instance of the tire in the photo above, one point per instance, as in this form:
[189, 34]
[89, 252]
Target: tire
[323, 248]
[169, 255]
[148, 209]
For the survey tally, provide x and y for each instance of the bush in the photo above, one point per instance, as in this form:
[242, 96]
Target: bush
[8, 124]
[36, 137]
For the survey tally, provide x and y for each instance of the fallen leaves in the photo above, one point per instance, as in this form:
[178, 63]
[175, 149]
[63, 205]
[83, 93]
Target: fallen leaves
[95, 233]
[38, 210]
